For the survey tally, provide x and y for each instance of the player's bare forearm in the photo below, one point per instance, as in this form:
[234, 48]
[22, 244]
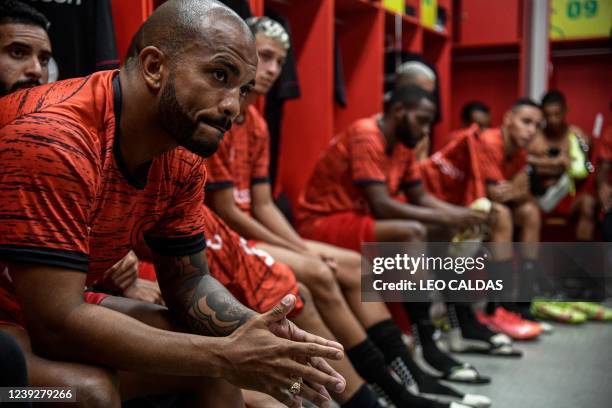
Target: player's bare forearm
[267, 213]
[222, 202]
[383, 206]
[197, 299]
[63, 327]
[547, 166]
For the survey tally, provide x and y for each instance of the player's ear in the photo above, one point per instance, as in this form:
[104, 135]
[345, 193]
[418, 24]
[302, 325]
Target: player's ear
[397, 111]
[153, 66]
[508, 117]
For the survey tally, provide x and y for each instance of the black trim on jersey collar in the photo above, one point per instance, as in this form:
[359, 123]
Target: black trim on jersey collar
[77, 261]
[133, 180]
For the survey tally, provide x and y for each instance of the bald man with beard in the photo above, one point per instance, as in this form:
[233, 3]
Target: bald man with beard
[91, 167]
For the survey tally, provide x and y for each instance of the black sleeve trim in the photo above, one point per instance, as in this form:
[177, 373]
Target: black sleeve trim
[260, 180]
[411, 184]
[491, 181]
[74, 260]
[219, 185]
[365, 182]
[176, 246]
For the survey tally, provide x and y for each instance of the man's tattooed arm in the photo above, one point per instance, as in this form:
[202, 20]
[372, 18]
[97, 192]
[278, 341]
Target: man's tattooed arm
[197, 299]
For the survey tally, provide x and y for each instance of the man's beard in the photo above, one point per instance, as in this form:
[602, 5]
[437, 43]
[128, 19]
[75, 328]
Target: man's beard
[405, 134]
[182, 128]
[17, 86]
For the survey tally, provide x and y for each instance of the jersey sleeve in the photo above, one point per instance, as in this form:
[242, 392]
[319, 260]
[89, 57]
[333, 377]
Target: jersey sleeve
[218, 166]
[366, 157]
[260, 153]
[47, 190]
[180, 231]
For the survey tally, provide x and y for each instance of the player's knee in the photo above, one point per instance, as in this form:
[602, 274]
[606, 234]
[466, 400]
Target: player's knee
[411, 231]
[320, 279]
[529, 214]
[587, 206]
[98, 387]
[501, 217]
[304, 293]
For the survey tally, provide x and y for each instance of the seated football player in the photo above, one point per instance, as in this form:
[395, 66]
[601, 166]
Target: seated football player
[503, 158]
[93, 165]
[476, 112]
[559, 157]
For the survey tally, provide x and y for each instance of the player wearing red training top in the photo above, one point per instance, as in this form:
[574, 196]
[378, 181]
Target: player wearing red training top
[350, 198]
[91, 167]
[504, 168]
[559, 156]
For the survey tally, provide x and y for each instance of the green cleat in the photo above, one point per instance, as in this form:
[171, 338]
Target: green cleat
[558, 311]
[593, 311]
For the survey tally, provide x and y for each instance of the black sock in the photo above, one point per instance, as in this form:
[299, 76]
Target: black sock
[438, 359]
[369, 363]
[527, 279]
[471, 328]
[388, 338]
[504, 271]
[363, 398]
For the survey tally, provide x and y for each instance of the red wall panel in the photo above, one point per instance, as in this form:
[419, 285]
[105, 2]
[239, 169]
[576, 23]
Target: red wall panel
[587, 85]
[360, 37]
[488, 22]
[493, 82]
[308, 121]
[127, 18]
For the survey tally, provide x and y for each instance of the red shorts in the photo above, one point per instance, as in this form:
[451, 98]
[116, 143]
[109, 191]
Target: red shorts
[564, 207]
[251, 274]
[345, 230]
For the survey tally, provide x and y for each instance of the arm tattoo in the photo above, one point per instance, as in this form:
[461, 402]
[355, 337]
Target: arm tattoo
[198, 300]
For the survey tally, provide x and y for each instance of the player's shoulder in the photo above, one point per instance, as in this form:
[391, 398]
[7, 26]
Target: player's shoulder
[257, 121]
[365, 130]
[73, 99]
[491, 137]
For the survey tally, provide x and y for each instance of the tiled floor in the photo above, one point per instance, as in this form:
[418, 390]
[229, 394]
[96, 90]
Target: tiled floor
[571, 368]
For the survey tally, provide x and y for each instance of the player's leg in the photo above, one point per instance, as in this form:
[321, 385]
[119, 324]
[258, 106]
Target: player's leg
[208, 392]
[528, 218]
[399, 231]
[94, 386]
[583, 209]
[310, 320]
[320, 280]
[348, 274]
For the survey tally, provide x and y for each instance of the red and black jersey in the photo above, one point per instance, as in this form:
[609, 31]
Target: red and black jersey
[495, 163]
[242, 160]
[356, 157]
[66, 198]
[453, 173]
